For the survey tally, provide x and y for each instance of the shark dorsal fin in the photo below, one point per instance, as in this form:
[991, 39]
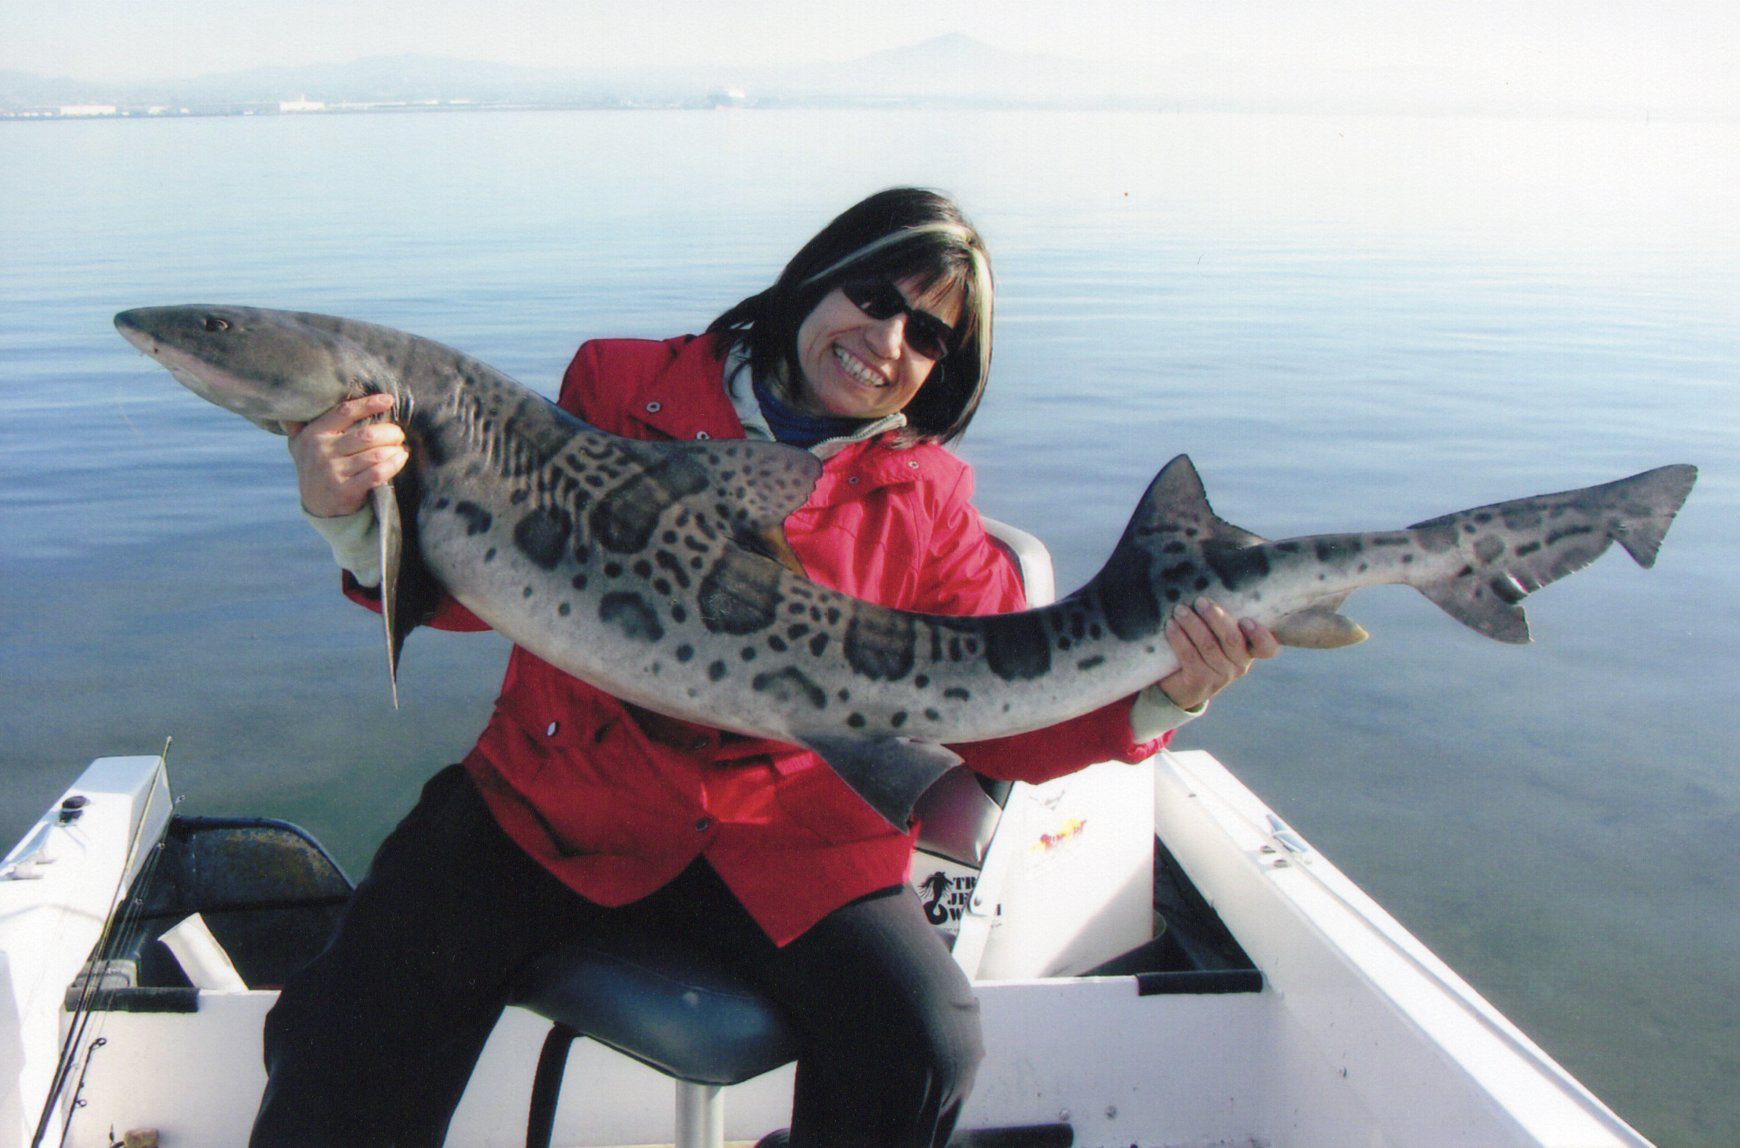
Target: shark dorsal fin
[1176, 502]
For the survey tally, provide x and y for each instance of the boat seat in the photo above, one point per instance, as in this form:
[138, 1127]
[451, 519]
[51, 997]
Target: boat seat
[678, 1011]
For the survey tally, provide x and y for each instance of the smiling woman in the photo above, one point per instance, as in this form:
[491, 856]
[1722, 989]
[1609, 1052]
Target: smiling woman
[592, 813]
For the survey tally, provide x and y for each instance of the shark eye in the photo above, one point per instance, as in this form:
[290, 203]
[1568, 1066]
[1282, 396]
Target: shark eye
[213, 323]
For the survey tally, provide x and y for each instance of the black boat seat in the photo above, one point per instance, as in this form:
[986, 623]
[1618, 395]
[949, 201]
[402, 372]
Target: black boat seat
[672, 1009]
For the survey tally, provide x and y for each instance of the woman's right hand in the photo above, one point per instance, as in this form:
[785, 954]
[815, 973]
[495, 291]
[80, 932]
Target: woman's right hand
[344, 454]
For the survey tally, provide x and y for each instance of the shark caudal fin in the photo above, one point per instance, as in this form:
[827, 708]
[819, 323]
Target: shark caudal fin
[1514, 548]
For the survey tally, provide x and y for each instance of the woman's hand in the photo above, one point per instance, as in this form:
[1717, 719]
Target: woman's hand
[344, 454]
[1213, 651]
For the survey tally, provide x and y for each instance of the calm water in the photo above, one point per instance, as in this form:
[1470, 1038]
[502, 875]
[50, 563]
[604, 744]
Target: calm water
[1348, 323]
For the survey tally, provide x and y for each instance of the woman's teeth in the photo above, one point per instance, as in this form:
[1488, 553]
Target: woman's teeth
[858, 370]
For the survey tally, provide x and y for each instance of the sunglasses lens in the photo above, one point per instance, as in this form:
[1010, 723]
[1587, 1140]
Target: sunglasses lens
[923, 336]
[924, 332]
[877, 300]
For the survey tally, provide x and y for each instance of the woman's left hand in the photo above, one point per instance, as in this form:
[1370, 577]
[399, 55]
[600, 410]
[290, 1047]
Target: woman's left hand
[1213, 651]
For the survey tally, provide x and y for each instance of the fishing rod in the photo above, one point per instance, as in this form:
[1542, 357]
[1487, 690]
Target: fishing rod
[92, 990]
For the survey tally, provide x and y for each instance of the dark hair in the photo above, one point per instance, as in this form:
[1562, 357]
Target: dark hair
[895, 234]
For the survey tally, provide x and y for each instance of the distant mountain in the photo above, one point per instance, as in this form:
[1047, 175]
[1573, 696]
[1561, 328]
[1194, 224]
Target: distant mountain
[953, 69]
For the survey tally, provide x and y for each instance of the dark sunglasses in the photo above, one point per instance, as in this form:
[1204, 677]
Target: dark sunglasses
[923, 332]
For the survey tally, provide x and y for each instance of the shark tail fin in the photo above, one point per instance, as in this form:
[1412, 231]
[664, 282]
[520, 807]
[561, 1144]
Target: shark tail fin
[1544, 539]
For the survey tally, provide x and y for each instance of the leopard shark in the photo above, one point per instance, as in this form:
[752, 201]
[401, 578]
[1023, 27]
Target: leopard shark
[657, 570]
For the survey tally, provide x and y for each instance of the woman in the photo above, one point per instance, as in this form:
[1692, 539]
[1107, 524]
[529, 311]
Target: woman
[576, 811]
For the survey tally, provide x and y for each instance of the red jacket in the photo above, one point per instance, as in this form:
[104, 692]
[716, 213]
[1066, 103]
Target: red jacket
[616, 801]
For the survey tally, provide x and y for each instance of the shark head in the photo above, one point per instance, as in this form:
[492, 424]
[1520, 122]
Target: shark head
[270, 367]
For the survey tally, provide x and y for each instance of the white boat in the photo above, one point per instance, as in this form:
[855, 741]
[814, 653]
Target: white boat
[1254, 996]
[1160, 960]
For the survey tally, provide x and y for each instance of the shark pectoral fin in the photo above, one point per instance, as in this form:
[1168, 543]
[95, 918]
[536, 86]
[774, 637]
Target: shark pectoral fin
[889, 773]
[392, 541]
[1320, 627]
[1480, 604]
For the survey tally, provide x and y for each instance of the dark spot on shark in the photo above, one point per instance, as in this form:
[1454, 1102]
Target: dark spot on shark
[898, 719]
[1016, 647]
[626, 519]
[685, 652]
[489, 555]
[1527, 548]
[477, 519]
[856, 720]
[1091, 663]
[933, 714]
[1127, 594]
[542, 536]
[1236, 566]
[880, 644]
[673, 566]
[958, 693]
[1435, 534]
[718, 671]
[1337, 550]
[1489, 549]
[613, 569]
[565, 609]
[740, 594]
[631, 614]
[1524, 517]
[578, 581]
[790, 685]
[747, 653]
[818, 644]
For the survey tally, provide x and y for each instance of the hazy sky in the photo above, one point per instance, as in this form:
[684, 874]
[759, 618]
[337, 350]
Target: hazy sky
[1668, 50]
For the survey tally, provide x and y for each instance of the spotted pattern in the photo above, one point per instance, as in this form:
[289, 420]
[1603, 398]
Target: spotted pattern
[543, 534]
[740, 594]
[1238, 566]
[791, 686]
[880, 644]
[631, 614]
[477, 519]
[625, 520]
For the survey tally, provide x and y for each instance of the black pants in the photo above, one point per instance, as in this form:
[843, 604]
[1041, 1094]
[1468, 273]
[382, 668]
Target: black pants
[371, 1045]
